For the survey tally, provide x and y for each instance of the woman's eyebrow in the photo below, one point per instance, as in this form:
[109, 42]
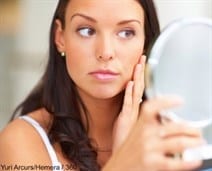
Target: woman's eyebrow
[95, 21]
[129, 21]
[83, 16]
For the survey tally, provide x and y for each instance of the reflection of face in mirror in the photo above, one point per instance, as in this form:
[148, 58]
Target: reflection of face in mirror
[181, 63]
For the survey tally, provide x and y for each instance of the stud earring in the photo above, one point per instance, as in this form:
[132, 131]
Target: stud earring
[63, 54]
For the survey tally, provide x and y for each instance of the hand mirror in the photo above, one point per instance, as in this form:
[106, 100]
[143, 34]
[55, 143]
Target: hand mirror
[180, 62]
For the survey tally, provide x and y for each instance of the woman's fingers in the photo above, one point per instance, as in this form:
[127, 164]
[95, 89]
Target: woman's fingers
[122, 125]
[172, 164]
[134, 91]
[176, 145]
[139, 82]
[130, 109]
[168, 148]
[151, 109]
[174, 129]
[128, 99]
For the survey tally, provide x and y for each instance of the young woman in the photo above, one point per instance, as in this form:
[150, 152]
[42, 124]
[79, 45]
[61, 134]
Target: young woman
[86, 112]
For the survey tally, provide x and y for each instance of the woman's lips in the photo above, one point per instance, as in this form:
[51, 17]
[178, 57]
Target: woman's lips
[104, 75]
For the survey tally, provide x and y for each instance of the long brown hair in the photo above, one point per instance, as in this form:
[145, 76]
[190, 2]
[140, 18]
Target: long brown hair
[56, 93]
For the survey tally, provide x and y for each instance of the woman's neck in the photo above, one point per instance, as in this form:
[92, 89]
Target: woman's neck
[101, 116]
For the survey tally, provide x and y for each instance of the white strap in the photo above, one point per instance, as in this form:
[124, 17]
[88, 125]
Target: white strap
[45, 139]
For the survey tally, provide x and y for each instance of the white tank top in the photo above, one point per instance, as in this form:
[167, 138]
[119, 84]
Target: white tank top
[56, 165]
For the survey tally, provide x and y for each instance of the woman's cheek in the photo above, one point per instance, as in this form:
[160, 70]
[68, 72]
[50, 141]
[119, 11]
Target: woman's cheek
[132, 62]
[129, 70]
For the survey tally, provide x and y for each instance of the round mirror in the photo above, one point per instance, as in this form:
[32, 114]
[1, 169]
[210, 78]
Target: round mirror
[180, 62]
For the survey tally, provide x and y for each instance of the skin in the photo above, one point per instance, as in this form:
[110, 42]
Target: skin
[94, 40]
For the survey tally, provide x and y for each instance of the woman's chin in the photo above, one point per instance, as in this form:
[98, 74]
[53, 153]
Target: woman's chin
[101, 92]
[104, 95]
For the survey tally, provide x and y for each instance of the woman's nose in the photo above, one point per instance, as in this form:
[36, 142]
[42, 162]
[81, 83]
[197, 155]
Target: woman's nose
[105, 49]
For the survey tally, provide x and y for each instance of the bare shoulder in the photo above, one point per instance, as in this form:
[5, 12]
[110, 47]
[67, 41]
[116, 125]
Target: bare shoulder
[21, 143]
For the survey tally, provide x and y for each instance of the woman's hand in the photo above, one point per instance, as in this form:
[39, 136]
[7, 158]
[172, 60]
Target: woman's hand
[150, 146]
[159, 143]
[141, 142]
[130, 111]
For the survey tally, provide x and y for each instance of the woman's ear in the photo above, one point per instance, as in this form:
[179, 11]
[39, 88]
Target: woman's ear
[59, 36]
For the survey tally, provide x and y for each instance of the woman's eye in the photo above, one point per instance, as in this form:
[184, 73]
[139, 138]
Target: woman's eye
[86, 31]
[126, 34]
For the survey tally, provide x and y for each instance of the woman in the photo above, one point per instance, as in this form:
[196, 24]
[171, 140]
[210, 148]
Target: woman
[88, 100]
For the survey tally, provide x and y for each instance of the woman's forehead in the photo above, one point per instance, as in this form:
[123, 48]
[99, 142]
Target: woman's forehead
[106, 9]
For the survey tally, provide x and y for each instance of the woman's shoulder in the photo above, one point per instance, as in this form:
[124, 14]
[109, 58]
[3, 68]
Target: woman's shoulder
[19, 128]
[20, 142]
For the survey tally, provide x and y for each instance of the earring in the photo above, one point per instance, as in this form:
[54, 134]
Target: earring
[63, 54]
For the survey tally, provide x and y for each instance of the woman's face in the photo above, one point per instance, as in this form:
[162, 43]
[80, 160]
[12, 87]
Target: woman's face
[103, 41]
